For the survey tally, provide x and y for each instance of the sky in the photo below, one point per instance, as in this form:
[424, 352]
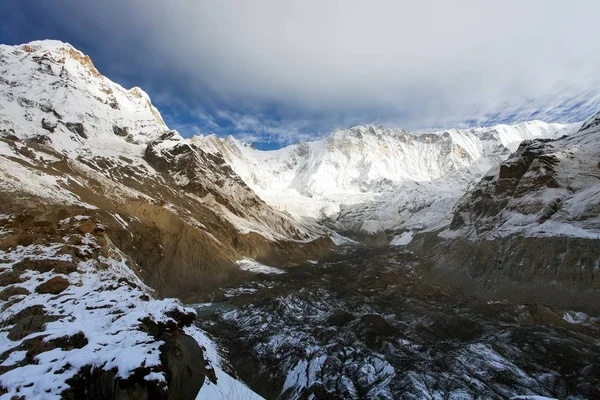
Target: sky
[281, 71]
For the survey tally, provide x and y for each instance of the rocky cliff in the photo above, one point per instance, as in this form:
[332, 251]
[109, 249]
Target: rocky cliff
[530, 229]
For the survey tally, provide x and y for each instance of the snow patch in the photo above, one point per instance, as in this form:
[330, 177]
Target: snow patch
[248, 264]
[107, 313]
[403, 239]
[340, 240]
[575, 317]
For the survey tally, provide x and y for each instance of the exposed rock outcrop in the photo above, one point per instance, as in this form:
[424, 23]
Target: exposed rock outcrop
[545, 183]
[108, 308]
[555, 271]
[53, 285]
[530, 229]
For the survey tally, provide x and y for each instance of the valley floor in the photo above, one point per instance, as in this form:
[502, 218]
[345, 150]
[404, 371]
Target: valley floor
[366, 325]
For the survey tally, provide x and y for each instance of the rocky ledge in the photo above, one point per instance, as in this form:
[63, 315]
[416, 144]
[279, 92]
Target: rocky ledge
[76, 321]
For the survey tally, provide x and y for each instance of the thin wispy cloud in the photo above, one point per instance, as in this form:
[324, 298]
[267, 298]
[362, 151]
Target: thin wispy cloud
[285, 70]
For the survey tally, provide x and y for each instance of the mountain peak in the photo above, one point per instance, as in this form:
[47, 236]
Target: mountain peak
[369, 130]
[59, 51]
[44, 45]
[592, 122]
[50, 89]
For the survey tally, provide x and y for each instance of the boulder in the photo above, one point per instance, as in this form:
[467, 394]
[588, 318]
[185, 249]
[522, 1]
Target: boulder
[183, 360]
[76, 127]
[10, 278]
[33, 310]
[30, 324]
[88, 226]
[374, 329]
[53, 286]
[339, 318]
[13, 291]
[119, 131]
[182, 363]
[41, 266]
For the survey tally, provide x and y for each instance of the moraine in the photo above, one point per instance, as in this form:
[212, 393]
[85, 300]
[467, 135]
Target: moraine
[371, 324]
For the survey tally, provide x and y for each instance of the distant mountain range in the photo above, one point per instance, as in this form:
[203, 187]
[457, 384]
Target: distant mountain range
[371, 179]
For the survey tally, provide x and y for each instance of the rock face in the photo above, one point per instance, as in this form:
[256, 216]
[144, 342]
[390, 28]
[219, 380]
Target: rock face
[53, 286]
[554, 271]
[546, 187]
[181, 358]
[530, 229]
[530, 169]
[203, 174]
[29, 320]
[10, 291]
[182, 362]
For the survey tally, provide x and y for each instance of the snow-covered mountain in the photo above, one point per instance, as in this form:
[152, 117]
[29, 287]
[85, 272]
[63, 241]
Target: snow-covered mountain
[56, 107]
[53, 96]
[529, 229]
[50, 88]
[97, 195]
[366, 179]
[372, 179]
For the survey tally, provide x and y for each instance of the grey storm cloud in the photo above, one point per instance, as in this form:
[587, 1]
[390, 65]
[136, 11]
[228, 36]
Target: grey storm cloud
[411, 63]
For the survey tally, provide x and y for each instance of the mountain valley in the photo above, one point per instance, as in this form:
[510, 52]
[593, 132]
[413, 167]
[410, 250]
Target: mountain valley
[374, 263]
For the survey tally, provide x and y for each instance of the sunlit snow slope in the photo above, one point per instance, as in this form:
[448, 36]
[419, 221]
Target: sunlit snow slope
[371, 179]
[98, 198]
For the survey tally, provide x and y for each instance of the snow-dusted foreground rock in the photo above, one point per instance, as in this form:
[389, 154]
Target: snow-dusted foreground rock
[77, 322]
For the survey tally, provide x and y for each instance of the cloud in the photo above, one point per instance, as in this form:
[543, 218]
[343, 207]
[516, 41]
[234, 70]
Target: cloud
[284, 70]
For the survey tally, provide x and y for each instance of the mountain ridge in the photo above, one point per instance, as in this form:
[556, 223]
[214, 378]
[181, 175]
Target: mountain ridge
[377, 167]
[70, 135]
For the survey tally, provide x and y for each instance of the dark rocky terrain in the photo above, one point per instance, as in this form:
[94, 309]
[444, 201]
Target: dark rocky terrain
[370, 324]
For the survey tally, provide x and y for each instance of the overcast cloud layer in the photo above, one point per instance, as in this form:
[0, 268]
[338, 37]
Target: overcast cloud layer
[283, 71]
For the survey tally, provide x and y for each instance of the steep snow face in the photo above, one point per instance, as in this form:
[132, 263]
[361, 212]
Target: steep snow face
[206, 176]
[512, 135]
[370, 178]
[50, 88]
[545, 188]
